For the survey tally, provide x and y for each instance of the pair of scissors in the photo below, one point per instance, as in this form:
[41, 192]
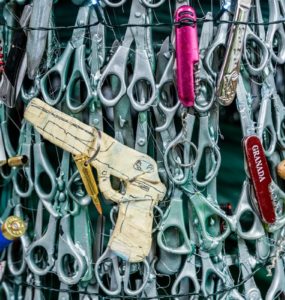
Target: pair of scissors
[36, 43]
[118, 272]
[66, 248]
[275, 36]
[255, 53]
[247, 264]
[37, 174]
[117, 66]
[187, 280]
[58, 74]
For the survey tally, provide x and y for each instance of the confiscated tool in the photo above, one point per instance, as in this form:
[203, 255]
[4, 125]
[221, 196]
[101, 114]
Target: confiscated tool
[15, 67]
[131, 238]
[187, 55]
[228, 77]
[36, 43]
[260, 175]
[12, 228]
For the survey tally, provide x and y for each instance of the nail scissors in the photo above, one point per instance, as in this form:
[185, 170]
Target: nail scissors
[79, 73]
[117, 65]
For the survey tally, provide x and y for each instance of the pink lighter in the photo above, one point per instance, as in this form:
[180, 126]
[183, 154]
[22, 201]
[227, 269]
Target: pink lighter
[187, 54]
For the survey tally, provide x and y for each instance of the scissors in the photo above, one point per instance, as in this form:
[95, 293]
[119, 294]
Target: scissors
[117, 65]
[211, 62]
[187, 277]
[66, 247]
[170, 155]
[36, 43]
[59, 72]
[247, 263]
[97, 58]
[255, 37]
[275, 33]
[109, 263]
[43, 178]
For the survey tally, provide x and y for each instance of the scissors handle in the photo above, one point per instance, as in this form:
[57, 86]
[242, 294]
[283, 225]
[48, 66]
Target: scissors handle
[44, 173]
[174, 219]
[146, 274]
[111, 258]
[66, 248]
[47, 244]
[79, 74]
[252, 69]
[256, 231]
[265, 128]
[188, 272]
[115, 4]
[149, 4]
[142, 73]
[57, 73]
[278, 283]
[116, 67]
[276, 30]
[23, 189]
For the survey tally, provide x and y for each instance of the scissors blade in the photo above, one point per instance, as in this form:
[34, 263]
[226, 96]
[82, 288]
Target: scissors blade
[78, 34]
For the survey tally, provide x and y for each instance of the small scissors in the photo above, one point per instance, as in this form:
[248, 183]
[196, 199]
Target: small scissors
[117, 65]
[79, 73]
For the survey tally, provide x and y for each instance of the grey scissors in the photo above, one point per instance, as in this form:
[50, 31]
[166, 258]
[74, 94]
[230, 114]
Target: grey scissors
[219, 42]
[275, 33]
[117, 65]
[109, 263]
[66, 246]
[247, 263]
[255, 37]
[79, 73]
[44, 176]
